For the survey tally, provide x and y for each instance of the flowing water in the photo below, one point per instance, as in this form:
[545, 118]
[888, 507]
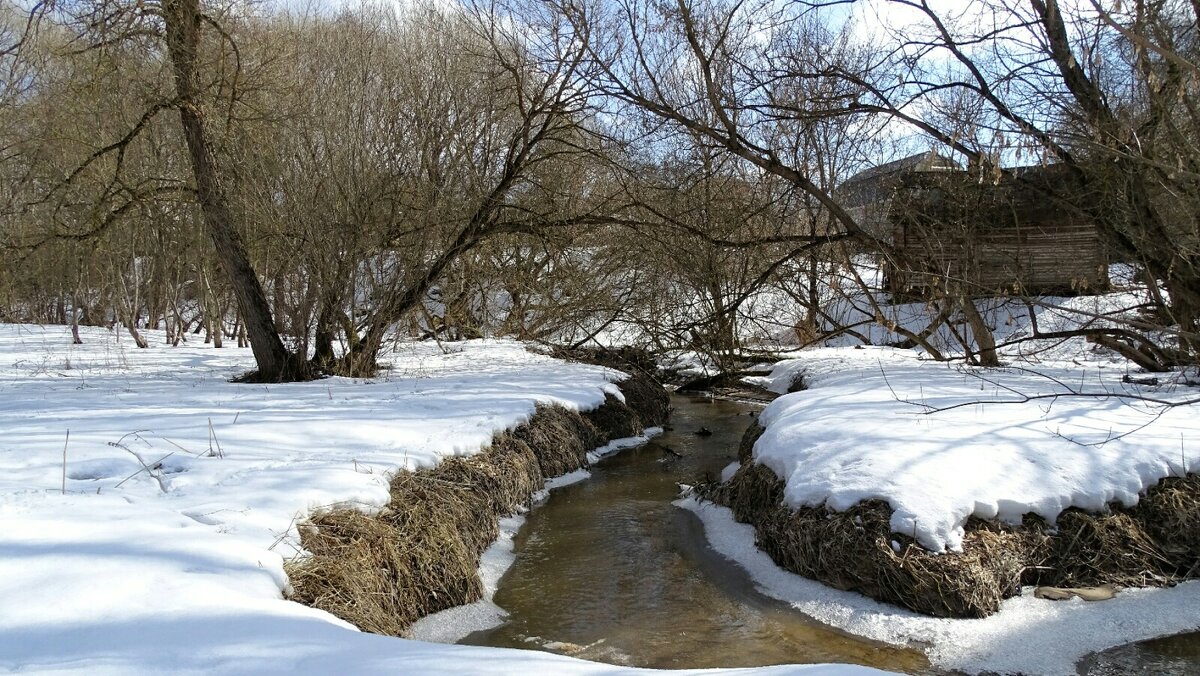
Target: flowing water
[608, 570]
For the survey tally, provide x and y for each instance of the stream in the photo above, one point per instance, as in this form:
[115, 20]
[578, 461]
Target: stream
[609, 570]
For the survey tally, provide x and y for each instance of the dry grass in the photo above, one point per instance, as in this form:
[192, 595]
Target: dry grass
[1088, 550]
[614, 419]
[628, 359]
[420, 554]
[745, 452]
[647, 399]
[381, 576]
[643, 393]
[1156, 543]
[1170, 513]
[562, 438]
[852, 550]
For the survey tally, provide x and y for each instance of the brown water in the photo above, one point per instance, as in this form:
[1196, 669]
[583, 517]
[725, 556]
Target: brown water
[1171, 656]
[608, 570]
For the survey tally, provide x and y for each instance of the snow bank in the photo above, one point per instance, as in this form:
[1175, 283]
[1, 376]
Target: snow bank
[941, 443]
[180, 569]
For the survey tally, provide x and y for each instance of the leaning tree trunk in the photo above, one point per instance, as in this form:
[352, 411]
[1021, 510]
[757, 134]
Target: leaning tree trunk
[985, 342]
[182, 20]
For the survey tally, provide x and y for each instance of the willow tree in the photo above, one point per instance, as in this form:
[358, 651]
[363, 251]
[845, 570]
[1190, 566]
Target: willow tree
[183, 21]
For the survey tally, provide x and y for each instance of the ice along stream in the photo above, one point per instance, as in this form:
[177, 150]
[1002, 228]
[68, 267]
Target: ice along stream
[608, 570]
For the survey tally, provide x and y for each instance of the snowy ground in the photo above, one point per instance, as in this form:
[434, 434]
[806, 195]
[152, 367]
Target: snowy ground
[179, 569]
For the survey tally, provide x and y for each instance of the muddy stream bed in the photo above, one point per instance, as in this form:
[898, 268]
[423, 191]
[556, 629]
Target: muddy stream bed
[609, 570]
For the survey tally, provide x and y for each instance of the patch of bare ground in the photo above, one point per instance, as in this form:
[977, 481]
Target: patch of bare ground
[1156, 543]
[420, 554]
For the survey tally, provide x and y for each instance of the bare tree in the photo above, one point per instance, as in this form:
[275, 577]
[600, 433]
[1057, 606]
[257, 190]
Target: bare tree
[182, 21]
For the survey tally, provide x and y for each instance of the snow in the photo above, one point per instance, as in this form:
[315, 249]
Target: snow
[182, 491]
[941, 442]
[1064, 423]
[614, 446]
[1028, 635]
[179, 569]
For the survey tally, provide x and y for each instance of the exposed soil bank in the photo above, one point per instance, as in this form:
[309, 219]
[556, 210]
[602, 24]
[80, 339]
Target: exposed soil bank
[420, 553]
[1155, 543]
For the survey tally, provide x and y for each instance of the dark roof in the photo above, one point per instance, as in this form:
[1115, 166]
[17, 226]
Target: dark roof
[875, 186]
[1020, 193]
[926, 161]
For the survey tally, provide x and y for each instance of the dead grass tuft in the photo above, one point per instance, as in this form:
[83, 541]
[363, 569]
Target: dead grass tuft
[628, 359]
[615, 419]
[563, 439]
[852, 550]
[1153, 544]
[647, 399]
[381, 575]
[1170, 514]
[745, 453]
[1089, 550]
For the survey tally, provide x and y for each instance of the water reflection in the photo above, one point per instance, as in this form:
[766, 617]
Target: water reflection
[1170, 656]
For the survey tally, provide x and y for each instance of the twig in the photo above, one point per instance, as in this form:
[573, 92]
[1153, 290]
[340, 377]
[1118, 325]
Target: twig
[1153, 406]
[1025, 398]
[1069, 392]
[136, 434]
[176, 445]
[1114, 437]
[212, 437]
[889, 384]
[145, 468]
[64, 466]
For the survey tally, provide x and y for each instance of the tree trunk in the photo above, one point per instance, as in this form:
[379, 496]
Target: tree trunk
[75, 312]
[181, 326]
[239, 330]
[1184, 290]
[1138, 230]
[324, 332]
[985, 342]
[138, 338]
[275, 364]
[130, 323]
[215, 324]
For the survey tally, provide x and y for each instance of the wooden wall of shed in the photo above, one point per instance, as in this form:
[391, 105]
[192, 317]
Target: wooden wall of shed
[993, 239]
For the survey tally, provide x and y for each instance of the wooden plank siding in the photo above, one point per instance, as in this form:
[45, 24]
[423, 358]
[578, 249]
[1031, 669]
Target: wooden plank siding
[1016, 237]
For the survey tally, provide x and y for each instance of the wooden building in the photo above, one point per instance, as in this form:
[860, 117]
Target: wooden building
[1021, 233]
[867, 195]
